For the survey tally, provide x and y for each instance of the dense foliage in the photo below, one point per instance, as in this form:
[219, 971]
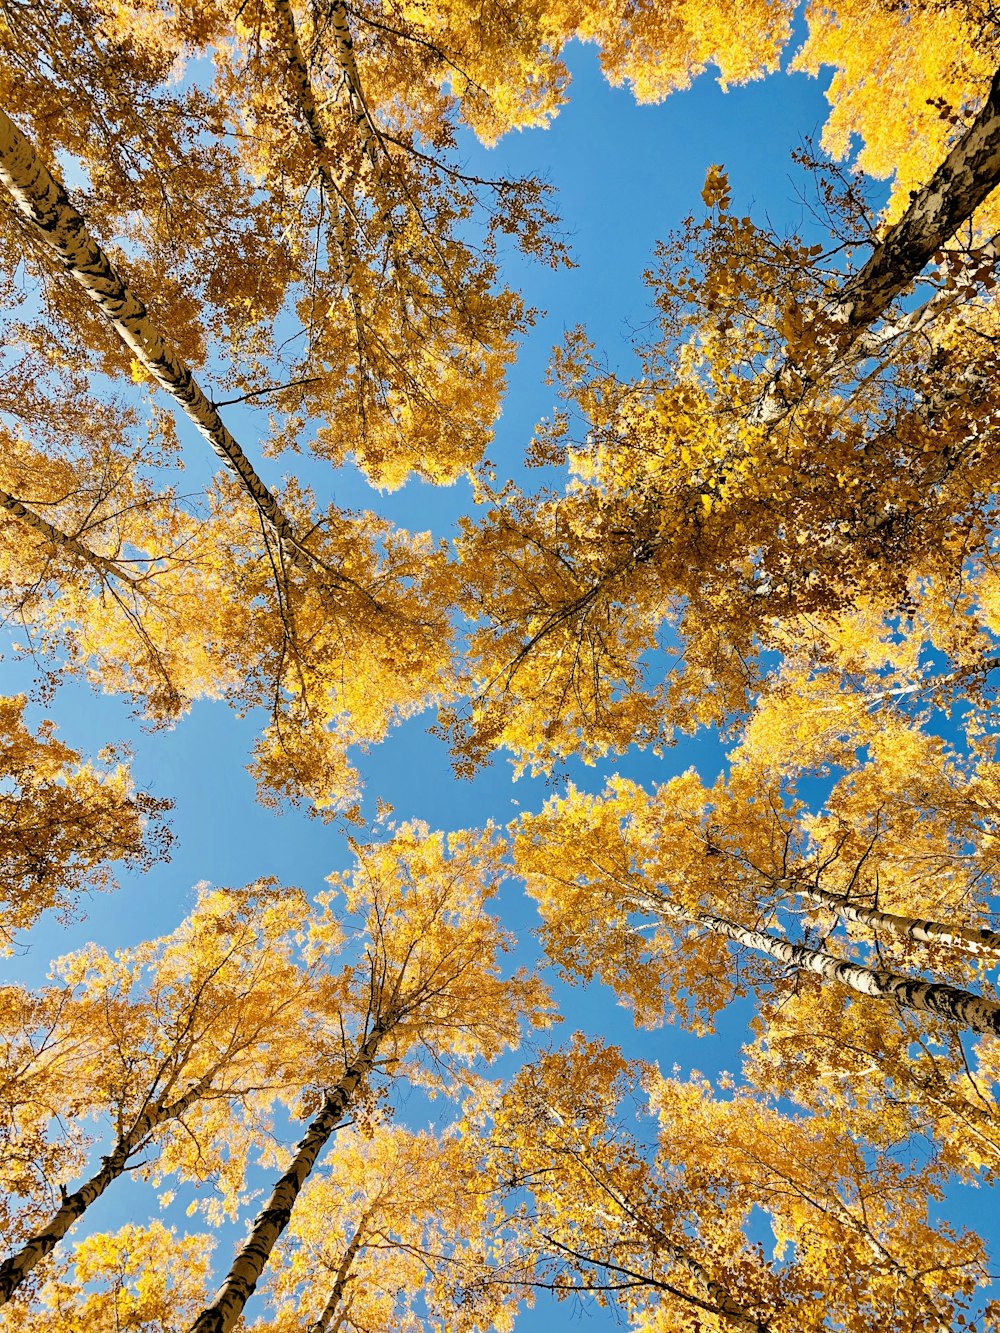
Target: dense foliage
[782, 526]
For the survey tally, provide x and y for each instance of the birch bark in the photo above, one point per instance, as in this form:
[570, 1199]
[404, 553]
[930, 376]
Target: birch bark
[969, 173]
[323, 1322]
[904, 927]
[241, 1281]
[51, 534]
[930, 997]
[16, 1268]
[45, 204]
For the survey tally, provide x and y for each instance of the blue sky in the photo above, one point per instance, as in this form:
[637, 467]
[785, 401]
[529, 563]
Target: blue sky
[624, 176]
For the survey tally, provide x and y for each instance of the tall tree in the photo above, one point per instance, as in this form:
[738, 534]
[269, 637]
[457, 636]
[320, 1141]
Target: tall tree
[165, 1041]
[757, 477]
[387, 1235]
[709, 867]
[426, 999]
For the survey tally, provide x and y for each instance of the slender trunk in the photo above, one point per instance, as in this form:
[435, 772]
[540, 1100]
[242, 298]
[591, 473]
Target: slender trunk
[872, 701]
[299, 71]
[322, 1324]
[725, 1305]
[930, 997]
[44, 202]
[345, 59]
[905, 927]
[969, 173]
[251, 1259]
[14, 1270]
[50, 534]
[371, 141]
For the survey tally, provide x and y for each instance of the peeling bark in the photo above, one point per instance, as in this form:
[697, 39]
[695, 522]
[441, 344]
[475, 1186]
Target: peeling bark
[242, 1278]
[44, 202]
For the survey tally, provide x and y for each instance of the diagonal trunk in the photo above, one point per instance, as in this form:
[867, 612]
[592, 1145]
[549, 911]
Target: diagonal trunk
[323, 1323]
[904, 927]
[969, 173]
[929, 997]
[50, 534]
[15, 1269]
[299, 70]
[250, 1261]
[44, 202]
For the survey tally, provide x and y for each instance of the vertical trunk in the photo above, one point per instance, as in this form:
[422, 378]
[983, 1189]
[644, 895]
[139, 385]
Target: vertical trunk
[50, 534]
[969, 173]
[323, 1324]
[299, 71]
[14, 1270]
[251, 1259]
[345, 59]
[904, 927]
[930, 997]
[46, 205]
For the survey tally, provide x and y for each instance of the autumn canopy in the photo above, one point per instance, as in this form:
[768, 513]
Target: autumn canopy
[263, 293]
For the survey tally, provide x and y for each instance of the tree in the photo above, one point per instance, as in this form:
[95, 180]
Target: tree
[137, 1279]
[714, 866]
[780, 458]
[63, 822]
[388, 1235]
[658, 1220]
[269, 206]
[164, 1041]
[425, 1000]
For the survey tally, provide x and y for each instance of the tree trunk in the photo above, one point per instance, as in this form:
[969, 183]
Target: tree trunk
[969, 173]
[250, 1261]
[44, 202]
[14, 1270]
[322, 1324]
[50, 534]
[345, 59]
[299, 71]
[904, 927]
[930, 997]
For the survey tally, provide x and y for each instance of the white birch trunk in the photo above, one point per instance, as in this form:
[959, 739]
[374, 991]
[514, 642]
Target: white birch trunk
[969, 173]
[46, 205]
[241, 1281]
[51, 534]
[349, 67]
[904, 927]
[16, 1268]
[929, 997]
[323, 1323]
[299, 70]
